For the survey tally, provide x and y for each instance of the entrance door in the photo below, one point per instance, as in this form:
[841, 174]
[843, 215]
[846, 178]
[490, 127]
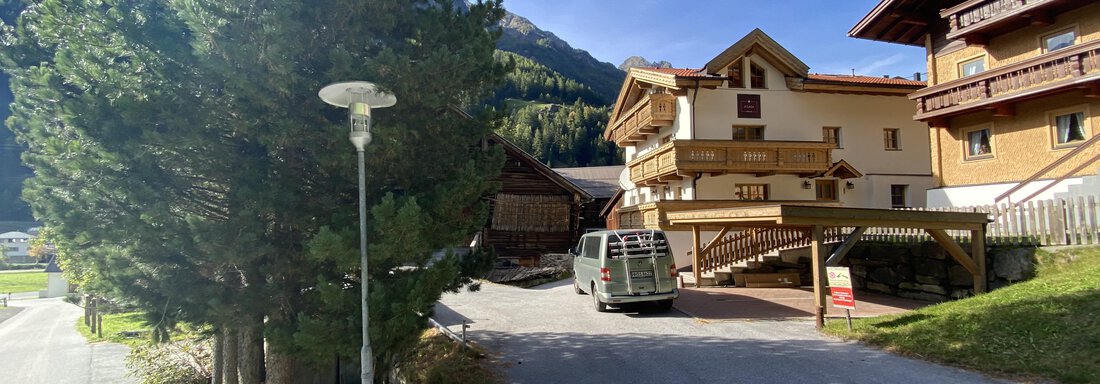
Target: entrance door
[826, 189]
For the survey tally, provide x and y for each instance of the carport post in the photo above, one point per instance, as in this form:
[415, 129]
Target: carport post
[816, 247]
[695, 251]
[977, 252]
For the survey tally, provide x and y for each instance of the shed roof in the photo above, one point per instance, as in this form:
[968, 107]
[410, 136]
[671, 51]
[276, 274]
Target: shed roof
[16, 235]
[600, 182]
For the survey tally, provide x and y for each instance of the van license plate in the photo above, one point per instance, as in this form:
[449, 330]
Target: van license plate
[639, 274]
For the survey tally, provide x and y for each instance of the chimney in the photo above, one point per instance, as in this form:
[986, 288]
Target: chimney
[916, 76]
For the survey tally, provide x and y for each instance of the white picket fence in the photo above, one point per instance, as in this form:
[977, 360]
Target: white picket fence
[1071, 221]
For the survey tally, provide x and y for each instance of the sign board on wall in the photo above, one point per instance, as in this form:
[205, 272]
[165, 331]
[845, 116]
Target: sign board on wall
[748, 106]
[840, 286]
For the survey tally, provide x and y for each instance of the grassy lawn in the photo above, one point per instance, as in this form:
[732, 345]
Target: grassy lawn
[114, 326]
[1047, 327]
[29, 281]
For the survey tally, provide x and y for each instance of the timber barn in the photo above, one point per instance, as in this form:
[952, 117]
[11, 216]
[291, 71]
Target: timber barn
[535, 211]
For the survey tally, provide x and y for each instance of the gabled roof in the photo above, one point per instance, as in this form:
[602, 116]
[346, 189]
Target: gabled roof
[53, 267]
[759, 43]
[600, 182]
[540, 168]
[16, 235]
[841, 170]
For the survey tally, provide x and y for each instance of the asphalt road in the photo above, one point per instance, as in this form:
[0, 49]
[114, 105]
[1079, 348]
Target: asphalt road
[41, 345]
[549, 334]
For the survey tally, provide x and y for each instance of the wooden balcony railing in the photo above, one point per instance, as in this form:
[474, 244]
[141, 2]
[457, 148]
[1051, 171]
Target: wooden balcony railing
[1067, 67]
[730, 156]
[645, 117]
[975, 16]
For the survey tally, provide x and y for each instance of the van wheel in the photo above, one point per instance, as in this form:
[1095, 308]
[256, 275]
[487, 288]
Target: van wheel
[664, 305]
[577, 288]
[600, 306]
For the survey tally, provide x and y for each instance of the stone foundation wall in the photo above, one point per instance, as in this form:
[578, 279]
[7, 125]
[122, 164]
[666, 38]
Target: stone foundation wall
[925, 271]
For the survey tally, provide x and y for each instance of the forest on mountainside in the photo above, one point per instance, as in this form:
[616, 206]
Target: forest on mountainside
[555, 119]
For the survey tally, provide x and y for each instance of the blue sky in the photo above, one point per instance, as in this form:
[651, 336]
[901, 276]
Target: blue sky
[688, 33]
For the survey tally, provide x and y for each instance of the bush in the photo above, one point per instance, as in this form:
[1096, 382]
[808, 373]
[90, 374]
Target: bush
[179, 362]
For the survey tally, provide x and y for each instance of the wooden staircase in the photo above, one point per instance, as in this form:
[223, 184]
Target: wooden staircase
[754, 243]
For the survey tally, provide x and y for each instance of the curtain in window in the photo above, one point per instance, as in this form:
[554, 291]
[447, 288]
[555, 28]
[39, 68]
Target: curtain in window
[1070, 127]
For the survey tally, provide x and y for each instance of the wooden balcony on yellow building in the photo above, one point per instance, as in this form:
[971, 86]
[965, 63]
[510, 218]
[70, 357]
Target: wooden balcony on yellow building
[998, 89]
[684, 158]
[975, 21]
[646, 117]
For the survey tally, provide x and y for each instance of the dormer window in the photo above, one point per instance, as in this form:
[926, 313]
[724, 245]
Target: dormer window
[734, 73]
[756, 76]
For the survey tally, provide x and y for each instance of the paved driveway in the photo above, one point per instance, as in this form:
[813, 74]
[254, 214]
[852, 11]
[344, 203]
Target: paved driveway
[40, 345]
[549, 334]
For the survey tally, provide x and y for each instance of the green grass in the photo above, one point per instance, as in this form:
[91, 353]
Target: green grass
[115, 325]
[513, 104]
[1047, 327]
[15, 282]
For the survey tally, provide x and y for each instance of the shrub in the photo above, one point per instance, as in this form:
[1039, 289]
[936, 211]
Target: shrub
[179, 362]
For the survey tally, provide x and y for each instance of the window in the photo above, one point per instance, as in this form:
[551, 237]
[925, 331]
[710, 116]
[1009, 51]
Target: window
[592, 247]
[1058, 40]
[972, 67]
[979, 144]
[734, 73]
[898, 196]
[756, 76]
[1069, 128]
[831, 135]
[826, 189]
[890, 139]
[748, 133]
[752, 191]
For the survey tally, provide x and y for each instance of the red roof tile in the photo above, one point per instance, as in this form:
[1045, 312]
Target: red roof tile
[866, 80]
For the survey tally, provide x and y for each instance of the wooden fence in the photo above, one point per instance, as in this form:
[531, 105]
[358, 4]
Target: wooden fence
[1072, 221]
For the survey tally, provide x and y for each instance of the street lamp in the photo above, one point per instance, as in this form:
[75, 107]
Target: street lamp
[359, 97]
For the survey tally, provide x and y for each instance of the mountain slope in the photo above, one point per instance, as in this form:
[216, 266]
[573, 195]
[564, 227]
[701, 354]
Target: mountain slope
[522, 37]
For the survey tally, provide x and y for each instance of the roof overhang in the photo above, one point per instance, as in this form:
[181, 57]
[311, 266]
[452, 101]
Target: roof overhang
[841, 170]
[899, 21]
[784, 215]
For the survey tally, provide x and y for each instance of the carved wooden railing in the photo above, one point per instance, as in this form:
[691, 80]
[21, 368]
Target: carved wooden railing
[731, 156]
[653, 111]
[1065, 67]
[974, 14]
[750, 244]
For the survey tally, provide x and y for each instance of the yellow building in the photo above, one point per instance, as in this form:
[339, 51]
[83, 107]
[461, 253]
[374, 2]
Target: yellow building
[754, 126]
[1013, 93]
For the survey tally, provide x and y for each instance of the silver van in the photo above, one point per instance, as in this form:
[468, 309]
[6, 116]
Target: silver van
[625, 266]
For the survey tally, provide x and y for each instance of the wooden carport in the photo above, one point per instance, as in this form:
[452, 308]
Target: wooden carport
[814, 220]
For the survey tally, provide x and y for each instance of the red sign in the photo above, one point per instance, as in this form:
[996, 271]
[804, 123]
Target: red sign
[748, 106]
[840, 286]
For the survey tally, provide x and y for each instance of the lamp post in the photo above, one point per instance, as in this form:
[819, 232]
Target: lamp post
[359, 97]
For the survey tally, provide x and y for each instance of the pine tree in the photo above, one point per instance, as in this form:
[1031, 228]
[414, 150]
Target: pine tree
[181, 146]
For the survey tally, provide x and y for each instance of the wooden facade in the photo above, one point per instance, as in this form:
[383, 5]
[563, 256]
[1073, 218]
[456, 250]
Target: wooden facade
[535, 211]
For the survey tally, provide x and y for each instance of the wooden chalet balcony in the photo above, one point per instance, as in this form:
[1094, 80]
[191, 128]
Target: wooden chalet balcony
[685, 157]
[976, 20]
[999, 88]
[644, 118]
[653, 215]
